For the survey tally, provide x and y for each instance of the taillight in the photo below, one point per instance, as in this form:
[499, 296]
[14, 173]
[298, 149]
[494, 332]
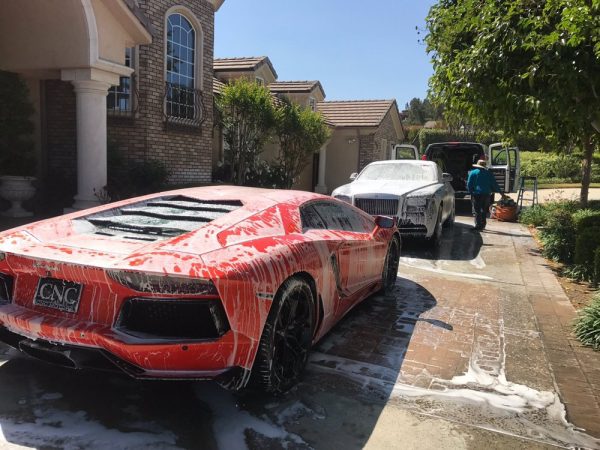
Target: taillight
[161, 284]
[424, 158]
[6, 288]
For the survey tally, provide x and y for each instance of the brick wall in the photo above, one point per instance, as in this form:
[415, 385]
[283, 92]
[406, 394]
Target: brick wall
[186, 151]
[366, 150]
[386, 132]
[376, 146]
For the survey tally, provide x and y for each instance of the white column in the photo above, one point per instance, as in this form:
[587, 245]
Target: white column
[321, 187]
[91, 141]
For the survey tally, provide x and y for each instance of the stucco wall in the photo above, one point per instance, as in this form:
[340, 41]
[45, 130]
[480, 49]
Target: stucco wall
[342, 157]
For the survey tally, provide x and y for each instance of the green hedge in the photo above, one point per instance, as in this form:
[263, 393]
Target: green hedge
[587, 242]
[586, 218]
[562, 232]
[550, 166]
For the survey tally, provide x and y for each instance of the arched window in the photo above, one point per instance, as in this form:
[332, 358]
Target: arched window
[182, 98]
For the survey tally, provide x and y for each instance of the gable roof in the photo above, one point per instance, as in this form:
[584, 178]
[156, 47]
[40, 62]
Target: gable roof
[242, 64]
[356, 113]
[291, 87]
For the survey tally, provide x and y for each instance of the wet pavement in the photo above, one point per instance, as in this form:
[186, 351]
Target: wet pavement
[472, 350]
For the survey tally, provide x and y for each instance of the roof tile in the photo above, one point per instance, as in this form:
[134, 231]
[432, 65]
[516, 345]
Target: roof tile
[355, 113]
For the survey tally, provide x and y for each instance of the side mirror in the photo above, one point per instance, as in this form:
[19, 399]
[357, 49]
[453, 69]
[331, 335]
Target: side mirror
[385, 221]
[354, 176]
[446, 178]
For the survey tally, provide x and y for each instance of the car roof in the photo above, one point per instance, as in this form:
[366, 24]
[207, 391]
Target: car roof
[413, 162]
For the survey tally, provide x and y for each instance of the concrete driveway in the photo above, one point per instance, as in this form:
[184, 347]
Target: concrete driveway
[470, 351]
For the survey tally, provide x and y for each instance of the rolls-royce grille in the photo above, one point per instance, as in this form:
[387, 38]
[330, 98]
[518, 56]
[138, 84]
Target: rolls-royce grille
[378, 206]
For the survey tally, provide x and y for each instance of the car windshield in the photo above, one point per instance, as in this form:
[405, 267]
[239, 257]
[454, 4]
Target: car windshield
[398, 172]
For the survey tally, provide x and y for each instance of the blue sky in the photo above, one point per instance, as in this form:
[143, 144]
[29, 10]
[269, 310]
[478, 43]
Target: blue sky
[357, 49]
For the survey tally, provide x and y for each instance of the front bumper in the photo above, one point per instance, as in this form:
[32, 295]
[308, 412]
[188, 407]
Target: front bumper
[82, 345]
[409, 229]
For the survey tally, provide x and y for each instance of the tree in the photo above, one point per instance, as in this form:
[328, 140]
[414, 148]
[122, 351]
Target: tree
[301, 132]
[247, 117]
[420, 111]
[521, 66]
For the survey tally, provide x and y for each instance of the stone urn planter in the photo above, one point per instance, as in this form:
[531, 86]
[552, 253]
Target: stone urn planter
[16, 189]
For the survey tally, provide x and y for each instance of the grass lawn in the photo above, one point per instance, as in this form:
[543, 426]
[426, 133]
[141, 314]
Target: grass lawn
[564, 185]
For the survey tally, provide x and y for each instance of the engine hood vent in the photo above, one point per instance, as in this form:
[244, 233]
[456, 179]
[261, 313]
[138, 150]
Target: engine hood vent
[158, 218]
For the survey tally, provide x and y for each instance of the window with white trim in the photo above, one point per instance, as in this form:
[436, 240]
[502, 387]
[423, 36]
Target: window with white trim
[120, 99]
[312, 103]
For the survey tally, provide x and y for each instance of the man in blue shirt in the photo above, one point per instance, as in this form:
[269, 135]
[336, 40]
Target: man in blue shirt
[481, 184]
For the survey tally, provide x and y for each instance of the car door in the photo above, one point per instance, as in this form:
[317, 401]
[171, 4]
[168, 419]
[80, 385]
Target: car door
[500, 165]
[405, 151]
[514, 176]
[360, 256]
[446, 192]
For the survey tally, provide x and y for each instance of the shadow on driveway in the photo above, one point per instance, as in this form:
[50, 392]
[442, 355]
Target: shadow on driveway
[349, 379]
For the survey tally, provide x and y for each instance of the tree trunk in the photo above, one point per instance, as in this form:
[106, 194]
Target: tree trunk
[586, 168]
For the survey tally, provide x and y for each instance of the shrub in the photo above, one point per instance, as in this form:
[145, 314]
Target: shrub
[16, 144]
[558, 235]
[534, 216]
[148, 176]
[267, 175]
[588, 240]
[587, 325]
[586, 218]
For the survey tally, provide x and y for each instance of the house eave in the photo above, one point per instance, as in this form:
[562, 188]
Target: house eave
[216, 4]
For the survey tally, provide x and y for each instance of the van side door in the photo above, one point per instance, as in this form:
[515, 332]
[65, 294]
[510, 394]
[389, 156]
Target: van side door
[514, 176]
[499, 165]
[405, 151]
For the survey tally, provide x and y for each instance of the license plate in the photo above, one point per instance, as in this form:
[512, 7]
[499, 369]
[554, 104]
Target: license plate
[58, 294]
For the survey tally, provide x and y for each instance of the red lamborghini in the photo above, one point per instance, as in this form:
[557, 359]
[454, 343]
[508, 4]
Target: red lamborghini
[228, 283]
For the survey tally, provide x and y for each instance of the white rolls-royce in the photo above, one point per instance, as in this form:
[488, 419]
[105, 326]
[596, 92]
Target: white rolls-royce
[417, 193]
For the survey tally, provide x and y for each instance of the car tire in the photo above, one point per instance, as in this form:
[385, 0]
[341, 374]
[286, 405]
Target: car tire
[436, 238]
[390, 266]
[449, 222]
[286, 339]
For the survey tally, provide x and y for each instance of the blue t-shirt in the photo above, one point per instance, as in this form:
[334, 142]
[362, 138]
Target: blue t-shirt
[482, 181]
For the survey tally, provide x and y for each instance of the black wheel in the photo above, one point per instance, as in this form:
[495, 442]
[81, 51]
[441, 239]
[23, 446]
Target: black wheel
[436, 238]
[286, 338]
[449, 222]
[390, 267]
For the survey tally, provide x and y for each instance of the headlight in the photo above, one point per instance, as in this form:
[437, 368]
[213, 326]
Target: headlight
[160, 284]
[344, 198]
[416, 201]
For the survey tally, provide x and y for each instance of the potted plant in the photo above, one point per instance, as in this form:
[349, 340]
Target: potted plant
[17, 159]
